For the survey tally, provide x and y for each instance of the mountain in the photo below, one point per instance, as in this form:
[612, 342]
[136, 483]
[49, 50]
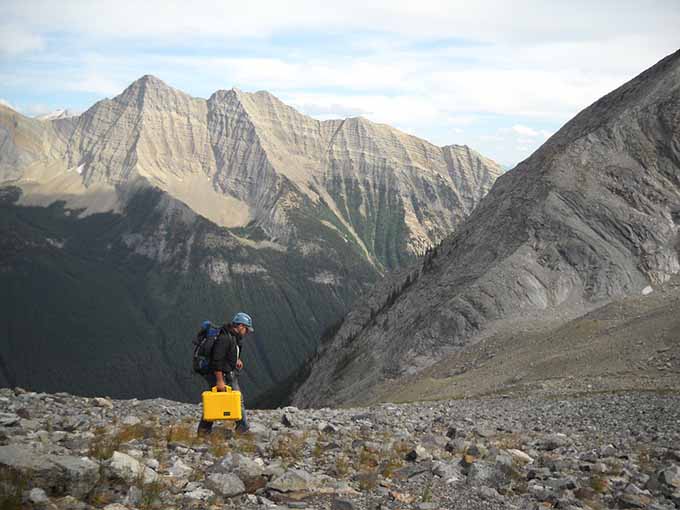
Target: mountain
[126, 226]
[592, 216]
[60, 113]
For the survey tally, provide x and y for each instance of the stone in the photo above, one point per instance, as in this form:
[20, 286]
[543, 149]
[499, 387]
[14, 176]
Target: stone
[226, 484]
[131, 420]
[670, 477]
[198, 494]
[488, 493]
[418, 454]
[179, 469]
[634, 501]
[128, 468]
[448, 471]
[294, 480]
[411, 471]
[56, 474]
[554, 441]
[520, 457]
[342, 504]
[37, 496]
[102, 402]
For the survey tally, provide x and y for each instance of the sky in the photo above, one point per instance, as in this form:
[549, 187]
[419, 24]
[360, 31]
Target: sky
[498, 76]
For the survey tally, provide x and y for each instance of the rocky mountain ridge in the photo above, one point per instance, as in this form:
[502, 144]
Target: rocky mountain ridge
[591, 216]
[229, 158]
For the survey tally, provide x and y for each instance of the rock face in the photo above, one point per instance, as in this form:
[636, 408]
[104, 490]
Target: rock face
[590, 216]
[241, 158]
[155, 210]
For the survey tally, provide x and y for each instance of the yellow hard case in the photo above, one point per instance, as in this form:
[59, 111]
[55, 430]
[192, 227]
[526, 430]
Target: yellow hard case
[221, 405]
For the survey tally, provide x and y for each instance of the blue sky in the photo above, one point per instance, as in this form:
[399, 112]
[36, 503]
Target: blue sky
[499, 76]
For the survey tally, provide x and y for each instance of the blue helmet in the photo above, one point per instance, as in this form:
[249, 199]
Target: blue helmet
[243, 318]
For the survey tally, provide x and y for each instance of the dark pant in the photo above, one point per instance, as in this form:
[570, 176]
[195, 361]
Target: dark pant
[230, 379]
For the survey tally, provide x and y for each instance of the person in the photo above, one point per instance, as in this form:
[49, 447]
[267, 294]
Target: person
[225, 363]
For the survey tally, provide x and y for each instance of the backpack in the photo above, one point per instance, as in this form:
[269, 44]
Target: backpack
[203, 346]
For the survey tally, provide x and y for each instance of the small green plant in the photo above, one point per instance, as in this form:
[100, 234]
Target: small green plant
[12, 484]
[131, 432]
[599, 484]
[288, 446]
[150, 492]
[342, 465]
[427, 492]
[368, 459]
[103, 445]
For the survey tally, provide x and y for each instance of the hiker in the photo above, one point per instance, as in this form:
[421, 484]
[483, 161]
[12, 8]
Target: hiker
[225, 363]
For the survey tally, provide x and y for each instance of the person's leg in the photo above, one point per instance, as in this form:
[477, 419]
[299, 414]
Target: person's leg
[205, 427]
[242, 424]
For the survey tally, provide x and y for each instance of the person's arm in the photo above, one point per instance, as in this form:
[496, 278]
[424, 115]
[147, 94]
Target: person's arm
[220, 381]
[217, 361]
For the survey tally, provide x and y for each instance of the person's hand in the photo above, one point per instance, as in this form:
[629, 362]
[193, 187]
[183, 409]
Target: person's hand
[221, 386]
[239, 364]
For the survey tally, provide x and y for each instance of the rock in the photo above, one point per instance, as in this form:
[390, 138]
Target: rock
[342, 504]
[427, 505]
[289, 421]
[410, 471]
[37, 496]
[484, 431]
[9, 419]
[488, 493]
[520, 457]
[180, 470]
[102, 402]
[128, 468]
[554, 441]
[57, 475]
[448, 471]
[198, 494]
[418, 454]
[294, 480]
[116, 506]
[634, 501]
[131, 420]
[226, 484]
[670, 477]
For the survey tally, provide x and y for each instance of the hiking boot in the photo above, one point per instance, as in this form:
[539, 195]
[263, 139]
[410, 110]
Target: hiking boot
[240, 429]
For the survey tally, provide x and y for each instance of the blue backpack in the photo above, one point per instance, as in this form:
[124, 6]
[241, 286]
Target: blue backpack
[203, 346]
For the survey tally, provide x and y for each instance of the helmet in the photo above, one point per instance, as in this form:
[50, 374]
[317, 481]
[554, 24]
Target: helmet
[243, 318]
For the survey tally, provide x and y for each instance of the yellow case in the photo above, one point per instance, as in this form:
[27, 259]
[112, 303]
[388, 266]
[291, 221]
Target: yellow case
[221, 405]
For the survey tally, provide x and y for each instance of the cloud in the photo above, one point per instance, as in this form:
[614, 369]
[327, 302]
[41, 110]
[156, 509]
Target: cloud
[525, 66]
[525, 131]
[15, 41]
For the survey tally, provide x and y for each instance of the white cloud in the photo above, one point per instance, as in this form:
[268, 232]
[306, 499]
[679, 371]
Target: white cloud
[431, 67]
[525, 131]
[15, 41]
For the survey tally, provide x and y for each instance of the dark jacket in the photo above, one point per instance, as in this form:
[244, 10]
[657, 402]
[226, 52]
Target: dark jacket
[226, 351]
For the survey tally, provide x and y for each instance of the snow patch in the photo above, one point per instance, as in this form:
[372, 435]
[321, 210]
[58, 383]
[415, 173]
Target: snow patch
[326, 278]
[247, 268]
[218, 270]
[647, 290]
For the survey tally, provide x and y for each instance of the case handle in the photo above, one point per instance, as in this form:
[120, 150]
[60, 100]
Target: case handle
[214, 389]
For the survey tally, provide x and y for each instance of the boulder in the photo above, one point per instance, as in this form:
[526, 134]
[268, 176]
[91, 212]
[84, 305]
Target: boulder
[226, 484]
[128, 468]
[56, 474]
[294, 480]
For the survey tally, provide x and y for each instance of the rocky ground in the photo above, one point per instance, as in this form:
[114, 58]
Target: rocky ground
[618, 450]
